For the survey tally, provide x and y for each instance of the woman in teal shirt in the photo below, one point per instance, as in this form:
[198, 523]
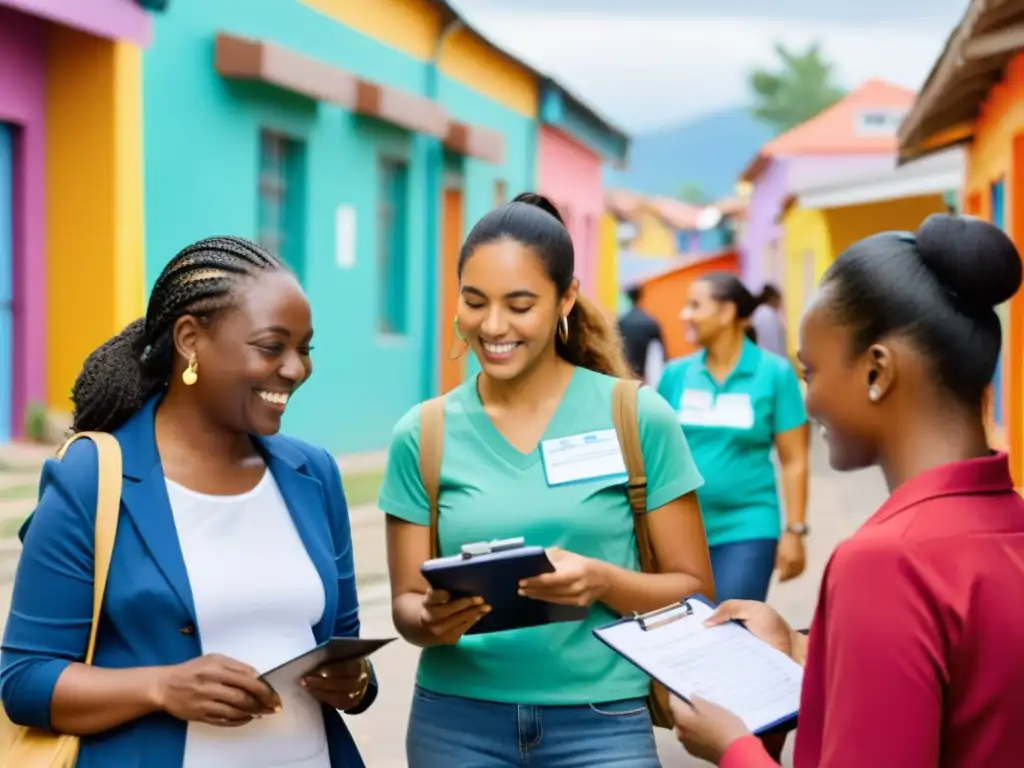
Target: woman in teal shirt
[736, 402]
[553, 695]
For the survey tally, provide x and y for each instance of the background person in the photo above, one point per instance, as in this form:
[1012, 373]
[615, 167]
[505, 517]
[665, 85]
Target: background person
[642, 339]
[736, 403]
[914, 658]
[232, 555]
[553, 695]
[768, 322]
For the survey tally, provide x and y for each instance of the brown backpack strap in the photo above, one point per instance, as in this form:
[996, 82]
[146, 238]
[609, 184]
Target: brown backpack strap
[431, 451]
[625, 416]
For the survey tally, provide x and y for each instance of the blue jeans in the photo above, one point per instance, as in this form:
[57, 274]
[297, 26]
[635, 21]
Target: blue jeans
[743, 569]
[452, 732]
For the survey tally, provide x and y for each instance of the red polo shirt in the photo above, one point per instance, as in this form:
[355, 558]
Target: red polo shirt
[916, 655]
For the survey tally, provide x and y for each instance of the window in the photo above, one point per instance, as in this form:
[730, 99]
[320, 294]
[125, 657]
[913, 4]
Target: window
[879, 122]
[500, 194]
[392, 245]
[281, 201]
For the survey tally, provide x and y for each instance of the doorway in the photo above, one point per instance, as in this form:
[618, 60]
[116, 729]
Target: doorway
[6, 277]
[452, 371]
[998, 201]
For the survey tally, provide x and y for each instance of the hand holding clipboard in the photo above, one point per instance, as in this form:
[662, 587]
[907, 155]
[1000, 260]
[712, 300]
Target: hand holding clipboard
[724, 664]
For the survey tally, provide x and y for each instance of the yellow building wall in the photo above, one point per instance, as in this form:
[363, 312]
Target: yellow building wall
[414, 27]
[653, 237]
[806, 254]
[851, 223]
[411, 26]
[94, 217]
[607, 264]
[997, 154]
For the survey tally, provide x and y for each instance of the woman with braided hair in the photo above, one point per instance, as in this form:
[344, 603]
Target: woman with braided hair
[233, 550]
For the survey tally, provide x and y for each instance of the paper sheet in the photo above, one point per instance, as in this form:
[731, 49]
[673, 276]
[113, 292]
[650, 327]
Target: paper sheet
[725, 664]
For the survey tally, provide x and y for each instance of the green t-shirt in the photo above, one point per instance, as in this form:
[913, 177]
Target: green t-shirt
[731, 428]
[491, 490]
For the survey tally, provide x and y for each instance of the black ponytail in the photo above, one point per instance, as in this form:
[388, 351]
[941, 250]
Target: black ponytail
[125, 371]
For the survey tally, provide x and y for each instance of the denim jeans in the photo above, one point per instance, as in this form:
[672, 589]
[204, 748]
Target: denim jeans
[450, 732]
[743, 569]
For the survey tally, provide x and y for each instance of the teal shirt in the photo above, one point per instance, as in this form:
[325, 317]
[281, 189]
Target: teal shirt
[490, 490]
[731, 428]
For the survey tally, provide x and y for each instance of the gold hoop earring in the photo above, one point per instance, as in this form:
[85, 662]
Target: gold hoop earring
[191, 374]
[563, 329]
[457, 337]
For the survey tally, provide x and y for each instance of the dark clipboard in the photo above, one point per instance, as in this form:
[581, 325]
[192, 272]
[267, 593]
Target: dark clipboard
[660, 617]
[334, 650]
[492, 570]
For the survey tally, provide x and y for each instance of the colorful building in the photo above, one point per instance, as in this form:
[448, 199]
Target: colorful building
[823, 218]
[70, 191]
[974, 96]
[665, 292]
[574, 145]
[657, 227]
[360, 140]
[855, 135]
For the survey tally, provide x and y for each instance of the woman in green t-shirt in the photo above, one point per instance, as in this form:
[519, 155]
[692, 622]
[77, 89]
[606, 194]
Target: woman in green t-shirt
[549, 361]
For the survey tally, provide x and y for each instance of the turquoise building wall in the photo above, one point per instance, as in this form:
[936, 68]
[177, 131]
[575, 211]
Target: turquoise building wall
[201, 168]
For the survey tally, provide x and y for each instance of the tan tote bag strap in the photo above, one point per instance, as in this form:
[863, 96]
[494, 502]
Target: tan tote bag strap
[108, 506]
[626, 417]
[431, 452]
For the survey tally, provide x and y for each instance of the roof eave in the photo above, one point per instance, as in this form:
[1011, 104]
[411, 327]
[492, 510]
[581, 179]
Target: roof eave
[973, 60]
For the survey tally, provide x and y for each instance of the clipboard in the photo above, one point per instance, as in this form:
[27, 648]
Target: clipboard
[334, 650]
[725, 664]
[492, 570]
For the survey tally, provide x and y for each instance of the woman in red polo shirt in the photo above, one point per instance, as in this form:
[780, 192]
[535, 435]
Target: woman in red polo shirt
[914, 658]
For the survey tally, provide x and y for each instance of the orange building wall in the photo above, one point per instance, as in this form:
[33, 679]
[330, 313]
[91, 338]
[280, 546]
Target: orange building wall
[997, 152]
[665, 295]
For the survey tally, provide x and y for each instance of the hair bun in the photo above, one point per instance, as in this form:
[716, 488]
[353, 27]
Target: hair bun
[539, 201]
[973, 259]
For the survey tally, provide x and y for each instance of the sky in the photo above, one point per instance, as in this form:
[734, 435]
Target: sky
[649, 64]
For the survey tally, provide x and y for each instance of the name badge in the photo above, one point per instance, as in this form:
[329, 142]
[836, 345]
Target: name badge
[733, 411]
[696, 399]
[589, 456]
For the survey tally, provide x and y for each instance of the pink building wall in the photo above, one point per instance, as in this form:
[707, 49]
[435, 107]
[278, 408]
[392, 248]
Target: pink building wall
[23, 80]
[569, 175]
[23, 104]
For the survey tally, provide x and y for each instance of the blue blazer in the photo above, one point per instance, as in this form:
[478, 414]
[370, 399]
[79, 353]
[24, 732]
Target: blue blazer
[148, 616]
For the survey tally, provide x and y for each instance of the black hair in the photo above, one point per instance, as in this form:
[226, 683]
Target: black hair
[769, 293]
[938, 289]
[634, 293]
[533, 221]
[126, 370]
[725, 286]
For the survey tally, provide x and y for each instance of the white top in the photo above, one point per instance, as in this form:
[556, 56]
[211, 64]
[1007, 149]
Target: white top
[257, 596]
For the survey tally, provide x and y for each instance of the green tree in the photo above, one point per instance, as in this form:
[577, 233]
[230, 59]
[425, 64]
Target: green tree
[799, 87]
[691, 192]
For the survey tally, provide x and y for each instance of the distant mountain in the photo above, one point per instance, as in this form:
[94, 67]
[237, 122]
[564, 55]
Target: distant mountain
[708, 151]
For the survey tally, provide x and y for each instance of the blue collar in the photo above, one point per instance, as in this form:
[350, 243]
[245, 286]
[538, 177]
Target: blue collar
[145, 500]
[139, 433]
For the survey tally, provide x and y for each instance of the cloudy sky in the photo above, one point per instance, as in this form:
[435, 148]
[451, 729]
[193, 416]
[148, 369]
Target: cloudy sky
[647, 64]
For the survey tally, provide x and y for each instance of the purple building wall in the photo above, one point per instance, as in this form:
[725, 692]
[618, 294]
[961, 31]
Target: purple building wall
[112, 19]
[762, 225]
[23, 104]
[781, 177]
